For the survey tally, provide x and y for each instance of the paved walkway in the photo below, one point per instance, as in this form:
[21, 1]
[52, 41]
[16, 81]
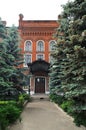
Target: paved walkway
[44, 115]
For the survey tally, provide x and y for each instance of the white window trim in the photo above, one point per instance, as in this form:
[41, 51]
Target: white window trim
[31, 45]
[49, 44]
[40, 54]
[24, 59]
[37, 46]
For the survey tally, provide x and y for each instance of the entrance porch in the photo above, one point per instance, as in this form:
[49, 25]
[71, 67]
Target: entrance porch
[39, 82]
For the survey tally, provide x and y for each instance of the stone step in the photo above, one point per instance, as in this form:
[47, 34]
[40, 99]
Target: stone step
[40, 97]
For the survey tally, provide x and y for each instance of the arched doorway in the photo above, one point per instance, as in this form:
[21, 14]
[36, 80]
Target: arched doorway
[40, 70]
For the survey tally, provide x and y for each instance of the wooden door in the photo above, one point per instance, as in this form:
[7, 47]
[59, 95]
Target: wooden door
[40, 85]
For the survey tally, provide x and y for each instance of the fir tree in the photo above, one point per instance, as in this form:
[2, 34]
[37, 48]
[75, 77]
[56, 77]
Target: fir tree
[72, 34]
[54, 79]
[3, 30]
[5, 69]
[18, 77]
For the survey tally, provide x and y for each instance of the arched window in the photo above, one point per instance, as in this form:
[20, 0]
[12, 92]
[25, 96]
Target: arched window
[51, 45]
[40, 45]
[28, 45]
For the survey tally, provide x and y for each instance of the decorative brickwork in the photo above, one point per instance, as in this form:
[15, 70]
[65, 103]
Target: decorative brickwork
[34, 31]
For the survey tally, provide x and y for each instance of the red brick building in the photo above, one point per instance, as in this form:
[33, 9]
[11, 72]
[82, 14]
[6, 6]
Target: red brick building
[36, 44]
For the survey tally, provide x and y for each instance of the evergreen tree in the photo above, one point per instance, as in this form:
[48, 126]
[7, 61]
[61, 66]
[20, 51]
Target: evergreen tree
[54, 79]
[5, 69]
[18, 78]
[3, 30]
[72, 34]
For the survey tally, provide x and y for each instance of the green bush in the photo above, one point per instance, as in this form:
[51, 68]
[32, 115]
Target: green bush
[8, 114]
[10, 110]
[7, 102]
[3, 118]
[26, 97]
[20, 101]
[67, 106]
[53, 97]
[57, 98]
[60, 99]
[13, 113]
[80, 118]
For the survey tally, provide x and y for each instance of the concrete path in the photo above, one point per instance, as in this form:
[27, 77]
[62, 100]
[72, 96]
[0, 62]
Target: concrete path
[44, 115]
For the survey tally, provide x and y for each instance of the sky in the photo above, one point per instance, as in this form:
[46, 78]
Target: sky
[31, 9]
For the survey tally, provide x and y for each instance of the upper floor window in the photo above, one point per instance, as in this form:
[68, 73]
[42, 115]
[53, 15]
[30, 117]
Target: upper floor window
[51, 45]
[27, 59]
[40, 45]
[28, 45]
[40, 56]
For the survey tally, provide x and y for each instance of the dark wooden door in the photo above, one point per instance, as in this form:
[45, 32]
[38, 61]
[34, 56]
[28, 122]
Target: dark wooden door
[39, 85]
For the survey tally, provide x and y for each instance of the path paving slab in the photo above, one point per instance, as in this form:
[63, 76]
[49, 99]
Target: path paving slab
[44, 115]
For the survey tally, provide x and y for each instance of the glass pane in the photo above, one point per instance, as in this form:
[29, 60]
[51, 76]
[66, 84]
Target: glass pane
[27, 59]
[40, 56]
[40, 46]
[28, 46]
[52, 43]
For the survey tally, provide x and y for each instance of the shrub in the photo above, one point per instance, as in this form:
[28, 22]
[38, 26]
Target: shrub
[26, 97]
[8, 114]
[13, 113]
[21, 101]
[3, 118]
[7, 102]
[80, 118]
[67, 106]
[53, 97]
[57, 98]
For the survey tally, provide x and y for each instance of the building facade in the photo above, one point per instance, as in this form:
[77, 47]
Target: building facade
[37, 43]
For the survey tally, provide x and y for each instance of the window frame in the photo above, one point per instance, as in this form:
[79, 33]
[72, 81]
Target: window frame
[39, 58]
[28, 50]
[51, 48]
[25, 64]
[42, 48]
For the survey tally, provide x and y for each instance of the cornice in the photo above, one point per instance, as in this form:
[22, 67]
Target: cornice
[37, 33]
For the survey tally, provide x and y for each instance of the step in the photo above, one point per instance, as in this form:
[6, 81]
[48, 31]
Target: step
[40, 97]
